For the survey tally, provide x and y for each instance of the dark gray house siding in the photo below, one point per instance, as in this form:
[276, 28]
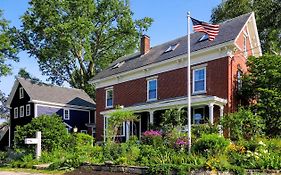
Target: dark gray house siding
[17, 103]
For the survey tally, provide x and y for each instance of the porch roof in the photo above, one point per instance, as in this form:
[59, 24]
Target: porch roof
[178, 102]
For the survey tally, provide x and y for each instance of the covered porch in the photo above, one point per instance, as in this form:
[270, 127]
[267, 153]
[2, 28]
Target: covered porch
[204, 109]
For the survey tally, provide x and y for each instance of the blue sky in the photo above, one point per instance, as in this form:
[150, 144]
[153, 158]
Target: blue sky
[170, 22]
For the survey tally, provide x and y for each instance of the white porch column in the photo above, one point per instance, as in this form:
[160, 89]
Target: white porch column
[151, 117]
[211, 113]
[127, 125]
[221, 111]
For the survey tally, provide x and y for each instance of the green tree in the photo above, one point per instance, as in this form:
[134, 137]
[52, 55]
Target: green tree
[73, 40]
[4, 111]
[263, 86]
[268, 18]
[54, 133]
[116, 120]
[8, 48]
[26, 75]
[243, 124]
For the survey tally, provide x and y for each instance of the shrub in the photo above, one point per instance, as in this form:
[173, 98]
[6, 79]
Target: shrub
[152, 137]
[243, 125]
[199, 130]
[210, 144]
[54, 134]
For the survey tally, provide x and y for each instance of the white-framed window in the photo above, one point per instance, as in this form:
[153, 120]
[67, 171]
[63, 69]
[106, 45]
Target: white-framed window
[239, 79]
[199, 80]
[245, 45]
[151, 89]
[21, 92]
[22, 111]
[84, 131]
[66, 115]
[27, 110]
[109, 98]
[16, 112]
[121, 130]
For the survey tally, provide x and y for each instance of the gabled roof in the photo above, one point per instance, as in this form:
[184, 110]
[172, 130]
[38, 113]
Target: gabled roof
[46, 93]
[229, 30]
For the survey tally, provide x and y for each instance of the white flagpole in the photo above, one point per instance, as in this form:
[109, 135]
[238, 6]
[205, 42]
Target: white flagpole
[188, 84]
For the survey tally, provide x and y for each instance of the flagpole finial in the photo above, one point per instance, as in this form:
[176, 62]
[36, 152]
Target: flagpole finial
[188, 14]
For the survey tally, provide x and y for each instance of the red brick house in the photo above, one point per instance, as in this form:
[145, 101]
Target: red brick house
[155, 79]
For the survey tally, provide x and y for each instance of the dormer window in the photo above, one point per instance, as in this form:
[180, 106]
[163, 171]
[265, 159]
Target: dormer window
[204, 37]
[118, 65]
[171, 48]
[21, 92]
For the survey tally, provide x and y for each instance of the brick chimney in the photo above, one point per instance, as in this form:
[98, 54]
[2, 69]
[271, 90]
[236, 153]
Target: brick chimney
[145, 44]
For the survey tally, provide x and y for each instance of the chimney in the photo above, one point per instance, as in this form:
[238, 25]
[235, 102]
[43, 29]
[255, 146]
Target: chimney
[145, 44]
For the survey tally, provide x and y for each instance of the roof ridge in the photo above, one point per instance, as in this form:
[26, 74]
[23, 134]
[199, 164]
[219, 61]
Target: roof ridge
[48, 85]
[236, 17]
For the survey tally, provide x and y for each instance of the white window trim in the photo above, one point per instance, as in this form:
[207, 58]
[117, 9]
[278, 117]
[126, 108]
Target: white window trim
[64, 117]
[16, 109]
[147, 89]
[27, 106]
[21, 92]
[193, 81]
[84, 131]
[22, 113]
[105, 124]
[106, 91]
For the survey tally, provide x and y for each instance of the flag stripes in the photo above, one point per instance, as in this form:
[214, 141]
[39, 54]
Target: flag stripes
[212, 30]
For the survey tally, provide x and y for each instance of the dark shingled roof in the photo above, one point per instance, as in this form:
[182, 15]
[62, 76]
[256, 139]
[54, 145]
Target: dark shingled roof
[229, 30]
[55, 94]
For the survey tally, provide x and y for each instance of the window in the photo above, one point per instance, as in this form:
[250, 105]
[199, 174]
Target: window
[84, 131]
[152, 89]
[27, 110]
[204, 37]
[109, 98]
[66, 114]
[239, 79]
[16, 112]
[22, 111]
[199, 80]
[21, 92]
[118, 65]
[121, 130]
[245, 46]
[171, 47]
[198, 115]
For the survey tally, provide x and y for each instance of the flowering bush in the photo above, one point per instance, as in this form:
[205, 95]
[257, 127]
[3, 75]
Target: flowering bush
[152, 133]
[181, 143]
[152, 137]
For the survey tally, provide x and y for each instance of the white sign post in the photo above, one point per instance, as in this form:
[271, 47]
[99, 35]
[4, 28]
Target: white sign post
[37, 142]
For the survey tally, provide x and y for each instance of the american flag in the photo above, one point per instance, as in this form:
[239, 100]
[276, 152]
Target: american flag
[212, 30]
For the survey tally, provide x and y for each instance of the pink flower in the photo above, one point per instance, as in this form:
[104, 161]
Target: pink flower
[181, 142]
[152, 133]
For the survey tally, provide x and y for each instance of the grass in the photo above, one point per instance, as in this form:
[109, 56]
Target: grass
[32, 170]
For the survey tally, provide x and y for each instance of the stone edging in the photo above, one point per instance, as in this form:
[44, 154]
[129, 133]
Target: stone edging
[144, 170]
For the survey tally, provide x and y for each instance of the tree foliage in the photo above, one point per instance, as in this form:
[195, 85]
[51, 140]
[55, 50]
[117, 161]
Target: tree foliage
[267, 14]
[54, 133]
[74, 40]
[4, 111]
[116, 120]
[263, 86]
[26, 75]
[7, 46]
[243, 125]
